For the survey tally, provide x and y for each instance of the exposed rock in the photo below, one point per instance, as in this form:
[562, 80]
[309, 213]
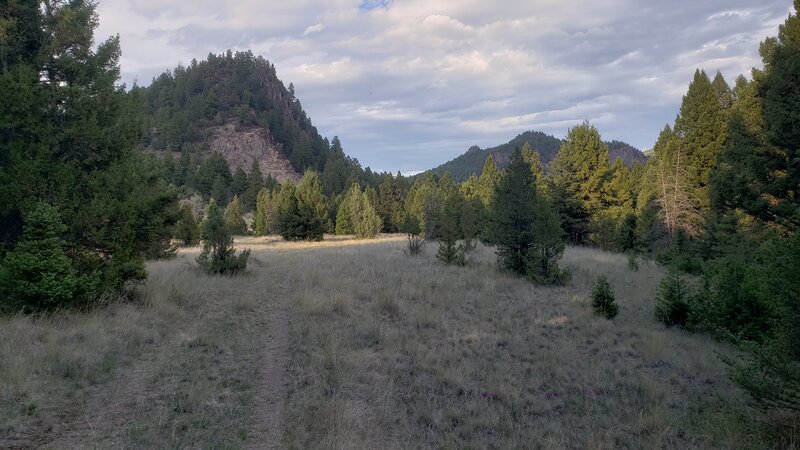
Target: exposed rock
[240, 146]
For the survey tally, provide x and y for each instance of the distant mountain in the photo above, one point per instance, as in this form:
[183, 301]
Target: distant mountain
[233, 104]
[471, 162]
[626, 152]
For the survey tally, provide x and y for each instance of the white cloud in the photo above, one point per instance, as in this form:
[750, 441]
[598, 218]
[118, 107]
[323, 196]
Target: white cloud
[316, 28]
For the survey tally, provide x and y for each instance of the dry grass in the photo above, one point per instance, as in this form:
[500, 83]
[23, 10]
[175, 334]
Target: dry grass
[386, 350]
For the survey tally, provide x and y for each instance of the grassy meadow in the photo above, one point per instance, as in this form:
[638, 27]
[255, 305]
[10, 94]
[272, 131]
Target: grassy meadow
[353, 344]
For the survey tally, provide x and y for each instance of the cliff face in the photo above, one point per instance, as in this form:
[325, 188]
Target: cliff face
[241, 145]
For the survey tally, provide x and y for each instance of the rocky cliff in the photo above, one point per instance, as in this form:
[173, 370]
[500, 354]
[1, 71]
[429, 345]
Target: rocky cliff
[241, 145]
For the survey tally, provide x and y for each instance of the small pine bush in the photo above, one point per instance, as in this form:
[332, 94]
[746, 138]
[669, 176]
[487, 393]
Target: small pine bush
[187, 230]
[413, 231]
[218, 255]
[672, 301]
[603, 302]
[37, 275]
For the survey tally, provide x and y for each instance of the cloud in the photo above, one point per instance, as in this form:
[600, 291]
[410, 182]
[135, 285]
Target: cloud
[409, 84]
[316, 28]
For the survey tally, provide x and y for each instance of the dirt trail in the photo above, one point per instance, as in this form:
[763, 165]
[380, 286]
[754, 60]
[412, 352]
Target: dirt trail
[267, 422]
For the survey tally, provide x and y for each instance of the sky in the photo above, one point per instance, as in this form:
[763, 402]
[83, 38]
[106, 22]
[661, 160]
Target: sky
[410, 84]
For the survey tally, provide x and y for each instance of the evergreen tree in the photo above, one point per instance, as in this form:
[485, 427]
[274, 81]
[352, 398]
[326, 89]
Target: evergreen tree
[266, 215]
[187, 230]
[450, 232]
[239, 182]
[345, 216]
[758, 172]
[537, 168]
[701, 131]
[219, 190]
[580, 172]
[548, 246]
[69, 135]
[234, 219]
[488, 181]
[218, 255]
[289, 224]
[36, 275]
[367, 222]
[526, 231]
[390, 204]
[603, 299]
[312, 207]
[255, 182]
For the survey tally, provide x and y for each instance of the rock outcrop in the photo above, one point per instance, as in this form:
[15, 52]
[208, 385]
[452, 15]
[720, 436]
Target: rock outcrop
[240, 146]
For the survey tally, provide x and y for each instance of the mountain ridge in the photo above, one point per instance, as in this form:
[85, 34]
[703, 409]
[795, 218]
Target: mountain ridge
[471, 162]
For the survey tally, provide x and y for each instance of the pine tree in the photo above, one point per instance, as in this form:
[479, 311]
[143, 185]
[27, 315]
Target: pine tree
[488, 181]
[265, 216]
[345, 216]
[603, 299]
[69, 135]
[701, 131]
[219, 190]
[36, 275]
[234, 219]
[525, 228]
[187, 230]
[239, 182]
[367, 222]
[533, 158]
[390, 204]
[218, 255]
[255, 182]
[757, 172]
[548, 246]
[312, 207]
[450, 232]
[580, 172]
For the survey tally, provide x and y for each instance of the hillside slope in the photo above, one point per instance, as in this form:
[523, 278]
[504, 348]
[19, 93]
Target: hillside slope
[471, 162]
[233, 104]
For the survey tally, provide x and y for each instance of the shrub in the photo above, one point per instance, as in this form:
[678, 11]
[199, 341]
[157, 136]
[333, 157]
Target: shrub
[603, 299]
[218, 255]
[413, 231]
[187, 230]
[37, 275]
[672, 301]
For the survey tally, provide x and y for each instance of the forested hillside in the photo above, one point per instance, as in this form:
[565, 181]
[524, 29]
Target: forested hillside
[471, 162]
[188, 107]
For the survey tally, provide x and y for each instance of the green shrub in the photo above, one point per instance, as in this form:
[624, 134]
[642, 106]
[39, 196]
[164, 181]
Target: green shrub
[187, 230]
[413, 231]
[218, 255]
[672, 301]
[36, 275]
[603, 302]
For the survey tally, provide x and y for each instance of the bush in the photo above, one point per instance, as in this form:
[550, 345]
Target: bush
[603, 299]
[187, 230]
[672, 301]
[218, 255]
[413, 231]
[36, 275]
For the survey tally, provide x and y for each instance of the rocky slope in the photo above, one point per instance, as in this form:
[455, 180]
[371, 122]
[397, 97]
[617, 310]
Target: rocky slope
[241, 145]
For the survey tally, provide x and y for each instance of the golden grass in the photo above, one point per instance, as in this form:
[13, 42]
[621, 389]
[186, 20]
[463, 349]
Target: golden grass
[386, 351]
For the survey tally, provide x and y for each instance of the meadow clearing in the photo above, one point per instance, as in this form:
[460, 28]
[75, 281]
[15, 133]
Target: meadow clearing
[353, 344]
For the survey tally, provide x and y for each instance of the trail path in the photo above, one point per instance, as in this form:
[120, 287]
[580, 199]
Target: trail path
[267, 421]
